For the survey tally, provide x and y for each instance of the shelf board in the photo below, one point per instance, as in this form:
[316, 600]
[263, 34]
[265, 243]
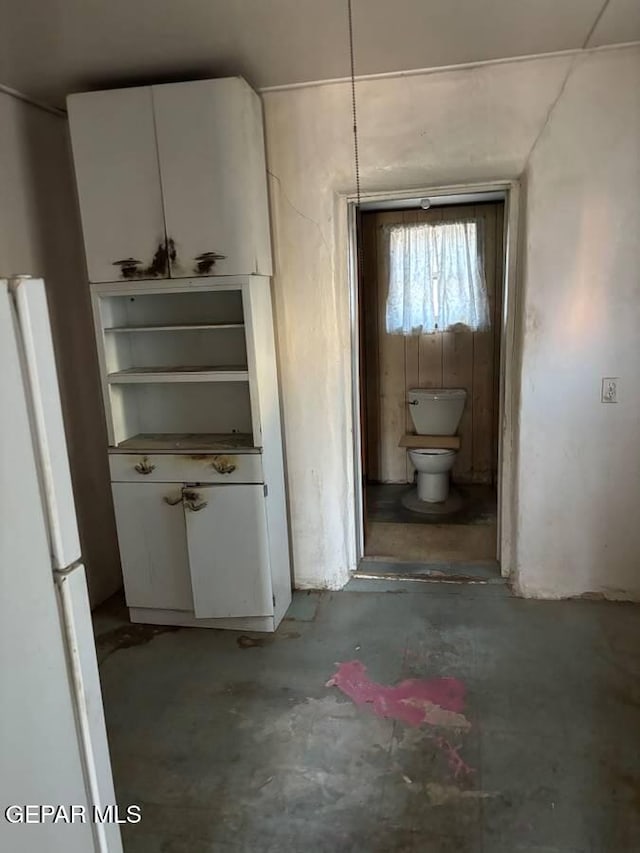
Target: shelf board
[183, 442]
[231, 373]
[174, 327]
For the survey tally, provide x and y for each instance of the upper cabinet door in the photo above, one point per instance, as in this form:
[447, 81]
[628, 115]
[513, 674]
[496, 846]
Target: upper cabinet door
[211, 152]
[116, 163]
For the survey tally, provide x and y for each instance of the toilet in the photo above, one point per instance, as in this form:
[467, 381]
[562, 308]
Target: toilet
[435, 412]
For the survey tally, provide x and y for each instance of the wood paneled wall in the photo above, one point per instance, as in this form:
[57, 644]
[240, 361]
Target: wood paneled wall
[462, 359]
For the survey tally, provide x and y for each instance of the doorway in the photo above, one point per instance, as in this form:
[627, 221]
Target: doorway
[458, 533]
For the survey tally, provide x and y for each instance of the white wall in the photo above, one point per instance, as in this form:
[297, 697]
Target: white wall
[39, 235]
[579, 469]
[453, 127]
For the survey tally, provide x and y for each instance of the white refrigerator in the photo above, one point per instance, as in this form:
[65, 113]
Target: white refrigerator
[53, 743]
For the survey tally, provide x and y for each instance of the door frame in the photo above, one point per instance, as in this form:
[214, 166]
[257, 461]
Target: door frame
[510, 343]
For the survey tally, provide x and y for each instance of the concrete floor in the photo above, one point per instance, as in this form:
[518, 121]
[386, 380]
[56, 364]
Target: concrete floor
[234, 743]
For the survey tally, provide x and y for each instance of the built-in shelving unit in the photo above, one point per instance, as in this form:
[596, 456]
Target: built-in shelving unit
[176, 233]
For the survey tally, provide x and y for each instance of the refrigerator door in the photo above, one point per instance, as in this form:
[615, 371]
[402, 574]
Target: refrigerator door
[83, 669]
[37, 353]
[52, 737]
[41, 753]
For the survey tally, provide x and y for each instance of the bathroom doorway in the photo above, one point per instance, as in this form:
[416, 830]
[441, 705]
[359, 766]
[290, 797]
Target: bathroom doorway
[430, 318]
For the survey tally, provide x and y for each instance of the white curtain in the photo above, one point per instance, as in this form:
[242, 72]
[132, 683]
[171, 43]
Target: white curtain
[436, 279]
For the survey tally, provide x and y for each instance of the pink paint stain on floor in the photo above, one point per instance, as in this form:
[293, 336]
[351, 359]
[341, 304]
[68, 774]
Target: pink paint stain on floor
[436, 701]
[415, 702]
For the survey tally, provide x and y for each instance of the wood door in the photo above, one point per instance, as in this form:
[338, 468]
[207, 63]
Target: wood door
[228, 551]
[153, 545]
[116, 164]
[211, 153]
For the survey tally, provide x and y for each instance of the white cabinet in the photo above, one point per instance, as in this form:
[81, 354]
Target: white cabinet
[172, 180]
[197, 549]
[118, 179]
[173, 197]
[191, 397]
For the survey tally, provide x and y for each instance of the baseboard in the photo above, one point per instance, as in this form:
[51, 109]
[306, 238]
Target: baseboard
[185, 619]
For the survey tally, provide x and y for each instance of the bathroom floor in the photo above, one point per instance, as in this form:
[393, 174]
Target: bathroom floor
[464, 529]
[477, 505]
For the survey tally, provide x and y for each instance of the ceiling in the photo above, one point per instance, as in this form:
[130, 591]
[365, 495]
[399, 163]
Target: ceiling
[52, 48]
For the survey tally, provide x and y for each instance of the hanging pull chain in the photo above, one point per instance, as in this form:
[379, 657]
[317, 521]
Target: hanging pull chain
[356, 155]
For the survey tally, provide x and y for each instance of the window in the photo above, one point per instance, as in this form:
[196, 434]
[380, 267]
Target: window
[436, 279]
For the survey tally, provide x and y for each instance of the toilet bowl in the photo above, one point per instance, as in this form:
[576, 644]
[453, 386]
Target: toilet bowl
[433, 466]
[435, 412]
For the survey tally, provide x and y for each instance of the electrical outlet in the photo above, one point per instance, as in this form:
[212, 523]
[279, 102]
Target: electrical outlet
[609, 389]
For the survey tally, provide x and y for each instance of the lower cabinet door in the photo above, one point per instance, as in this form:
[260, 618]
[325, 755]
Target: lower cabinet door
[153, 545]
[228, 550]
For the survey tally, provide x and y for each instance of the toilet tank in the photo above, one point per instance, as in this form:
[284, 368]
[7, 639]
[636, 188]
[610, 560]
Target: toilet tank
[436, 411]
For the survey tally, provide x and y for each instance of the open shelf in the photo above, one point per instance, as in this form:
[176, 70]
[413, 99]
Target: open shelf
[176, 370]
[188, 442]
[180, 337]
[232, 373]
[181, 327]
[185, 350]
[150, 405]
[146, 310]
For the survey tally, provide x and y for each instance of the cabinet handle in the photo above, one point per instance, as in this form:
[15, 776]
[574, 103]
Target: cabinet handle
[206, 261]
[193, 501]
[128, 267]
[158, 268]
[144, 467]
[173, 501]
[223, 464]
